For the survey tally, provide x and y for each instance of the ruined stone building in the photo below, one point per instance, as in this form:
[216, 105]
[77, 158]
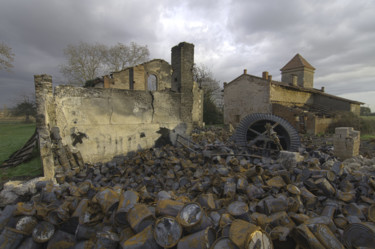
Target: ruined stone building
[123, 115]
[294, 98]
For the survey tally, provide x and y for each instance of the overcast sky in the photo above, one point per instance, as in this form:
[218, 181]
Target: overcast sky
[336, 37]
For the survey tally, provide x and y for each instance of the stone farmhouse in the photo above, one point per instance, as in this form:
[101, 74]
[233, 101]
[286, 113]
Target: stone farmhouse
[295, 99]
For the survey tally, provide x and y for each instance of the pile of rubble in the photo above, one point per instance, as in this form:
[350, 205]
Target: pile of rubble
[208, 195]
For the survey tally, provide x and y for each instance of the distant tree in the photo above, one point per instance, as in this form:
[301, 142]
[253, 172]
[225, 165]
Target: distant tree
[6, 57]
[25, 107]
[88, 61]
[121, 56]
[365, 111]
[211, 112]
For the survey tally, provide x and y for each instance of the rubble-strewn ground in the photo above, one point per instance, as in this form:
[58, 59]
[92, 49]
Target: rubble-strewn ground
[309, 199]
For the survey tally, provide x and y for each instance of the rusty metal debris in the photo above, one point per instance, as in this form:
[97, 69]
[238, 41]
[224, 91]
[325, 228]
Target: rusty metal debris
[212, 195]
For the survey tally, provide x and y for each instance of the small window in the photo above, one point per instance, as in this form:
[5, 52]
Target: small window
[152, 83]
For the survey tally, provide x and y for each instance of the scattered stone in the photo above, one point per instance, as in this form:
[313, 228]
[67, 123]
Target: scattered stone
[172, 196]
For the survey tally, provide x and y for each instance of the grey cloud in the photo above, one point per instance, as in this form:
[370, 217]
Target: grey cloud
[229, 35]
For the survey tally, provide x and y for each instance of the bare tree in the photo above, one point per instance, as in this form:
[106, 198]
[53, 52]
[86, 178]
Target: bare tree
[85, 62]
[212, 97]
[121, 56]
[6, 57]
[88, 61]
[203, 76]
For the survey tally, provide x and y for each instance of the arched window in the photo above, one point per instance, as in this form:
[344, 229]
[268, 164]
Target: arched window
[152, 83]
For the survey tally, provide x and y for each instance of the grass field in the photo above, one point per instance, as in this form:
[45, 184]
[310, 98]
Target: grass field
[13, 136]
[368, 117]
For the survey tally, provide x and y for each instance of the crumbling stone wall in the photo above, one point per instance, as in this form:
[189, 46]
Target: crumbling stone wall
[245, 95]
[138, 76]
[104, 122]
[303, 121]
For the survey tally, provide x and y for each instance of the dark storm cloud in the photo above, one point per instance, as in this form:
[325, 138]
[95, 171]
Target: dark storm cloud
[38, 31]
[229, 35]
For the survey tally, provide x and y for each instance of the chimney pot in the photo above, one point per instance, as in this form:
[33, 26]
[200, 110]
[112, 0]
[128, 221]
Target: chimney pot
[245, 71]
[294, 80]
[322, 89]
[265, 75]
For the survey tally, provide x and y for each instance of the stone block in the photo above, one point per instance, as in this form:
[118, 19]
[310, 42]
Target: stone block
[346, 142]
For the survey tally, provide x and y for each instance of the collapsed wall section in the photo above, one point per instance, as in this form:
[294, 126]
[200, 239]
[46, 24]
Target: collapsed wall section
[111, 121]
[78, 124]
[102, 123]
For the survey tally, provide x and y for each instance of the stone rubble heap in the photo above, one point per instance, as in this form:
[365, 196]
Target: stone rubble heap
[172, 197]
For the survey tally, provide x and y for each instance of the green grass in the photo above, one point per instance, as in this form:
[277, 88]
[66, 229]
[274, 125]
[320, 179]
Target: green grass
[12, 137]
[368, 117]
[367, 137]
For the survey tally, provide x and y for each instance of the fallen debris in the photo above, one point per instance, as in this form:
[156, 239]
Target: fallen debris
[213, 195]
[24, 154]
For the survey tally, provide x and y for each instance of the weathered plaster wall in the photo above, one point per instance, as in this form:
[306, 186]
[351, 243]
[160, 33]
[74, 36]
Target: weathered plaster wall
[281, 94]
[163, 72]
[245, 95]
[322, 124]
[355, 108]
[114, 121]
[139, 75]
[120, 80]
[111, 121]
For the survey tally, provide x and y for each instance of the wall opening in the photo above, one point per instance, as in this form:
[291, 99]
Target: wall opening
[152, 84]
[131, 79]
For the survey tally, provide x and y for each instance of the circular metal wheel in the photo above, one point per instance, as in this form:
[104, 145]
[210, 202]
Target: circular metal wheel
[267, 134]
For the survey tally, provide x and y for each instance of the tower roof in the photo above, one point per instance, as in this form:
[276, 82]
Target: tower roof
[297, 62]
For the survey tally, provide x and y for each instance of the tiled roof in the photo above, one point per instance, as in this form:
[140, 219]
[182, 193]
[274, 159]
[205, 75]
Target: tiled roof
[314, 91]
[297, 62]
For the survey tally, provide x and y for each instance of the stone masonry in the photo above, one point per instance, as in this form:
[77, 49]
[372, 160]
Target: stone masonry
[346, 142]
[101, 123]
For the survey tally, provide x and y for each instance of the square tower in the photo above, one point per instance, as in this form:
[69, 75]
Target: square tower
[298, 72]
